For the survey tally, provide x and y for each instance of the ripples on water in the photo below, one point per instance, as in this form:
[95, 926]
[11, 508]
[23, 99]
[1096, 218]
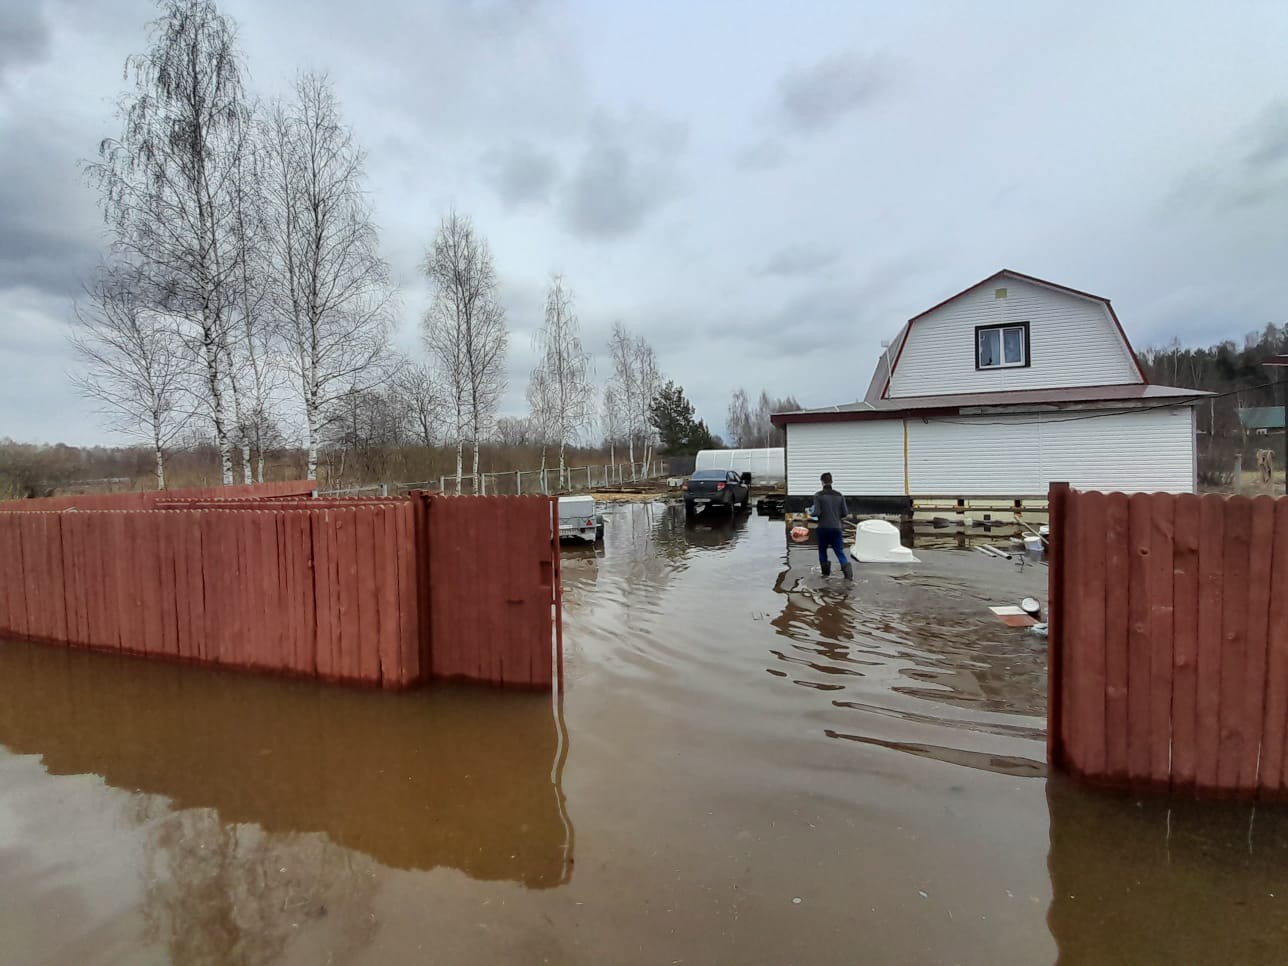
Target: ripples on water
[906, 659]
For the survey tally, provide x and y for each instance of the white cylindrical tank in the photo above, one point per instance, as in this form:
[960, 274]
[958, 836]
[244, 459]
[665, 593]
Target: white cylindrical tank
[877, 541]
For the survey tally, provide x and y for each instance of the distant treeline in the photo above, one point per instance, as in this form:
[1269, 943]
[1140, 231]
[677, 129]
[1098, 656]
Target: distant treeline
[1236, 373]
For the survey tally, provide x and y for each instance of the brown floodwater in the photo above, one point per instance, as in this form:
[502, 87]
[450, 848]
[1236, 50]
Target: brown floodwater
[752, 764]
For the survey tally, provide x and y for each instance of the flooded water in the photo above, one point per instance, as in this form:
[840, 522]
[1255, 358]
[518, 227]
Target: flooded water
[752, 764]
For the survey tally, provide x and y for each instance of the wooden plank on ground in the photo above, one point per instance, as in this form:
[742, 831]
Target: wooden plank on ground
[1185, 623]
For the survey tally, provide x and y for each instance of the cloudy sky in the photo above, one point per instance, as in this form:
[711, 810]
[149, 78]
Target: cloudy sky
[765, 191]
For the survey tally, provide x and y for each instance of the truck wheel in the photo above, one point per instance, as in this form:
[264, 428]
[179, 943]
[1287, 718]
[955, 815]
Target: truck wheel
[688, 508]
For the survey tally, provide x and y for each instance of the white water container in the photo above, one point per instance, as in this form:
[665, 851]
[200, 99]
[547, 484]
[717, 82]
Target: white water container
[877, 541]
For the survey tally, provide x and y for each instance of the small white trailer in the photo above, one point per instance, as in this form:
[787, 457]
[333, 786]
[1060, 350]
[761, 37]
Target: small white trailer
[578, 519]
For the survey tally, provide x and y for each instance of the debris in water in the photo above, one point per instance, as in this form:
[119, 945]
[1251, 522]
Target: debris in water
[796, 900]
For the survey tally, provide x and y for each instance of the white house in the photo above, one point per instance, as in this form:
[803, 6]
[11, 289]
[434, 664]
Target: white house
[1001, 390]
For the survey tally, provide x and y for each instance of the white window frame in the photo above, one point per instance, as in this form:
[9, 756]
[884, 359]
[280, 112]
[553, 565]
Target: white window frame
[1001, 330]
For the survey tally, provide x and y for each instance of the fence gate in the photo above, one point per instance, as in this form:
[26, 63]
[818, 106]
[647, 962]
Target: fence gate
[493, 579]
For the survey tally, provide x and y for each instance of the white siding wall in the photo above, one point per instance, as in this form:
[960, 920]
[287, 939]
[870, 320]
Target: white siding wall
[1147, 450]
[1073, 342]
[864, 458]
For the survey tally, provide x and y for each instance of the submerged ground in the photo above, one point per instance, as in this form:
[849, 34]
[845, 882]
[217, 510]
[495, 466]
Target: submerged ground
[752, 764]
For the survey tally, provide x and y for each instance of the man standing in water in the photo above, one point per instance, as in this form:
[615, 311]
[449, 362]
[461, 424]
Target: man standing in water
[830, 509]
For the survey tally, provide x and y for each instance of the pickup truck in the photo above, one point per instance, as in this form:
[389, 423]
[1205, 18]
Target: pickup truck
[722, 488]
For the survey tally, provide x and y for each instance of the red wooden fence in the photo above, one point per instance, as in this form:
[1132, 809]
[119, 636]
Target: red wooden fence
[1169, 641]
[343, 592]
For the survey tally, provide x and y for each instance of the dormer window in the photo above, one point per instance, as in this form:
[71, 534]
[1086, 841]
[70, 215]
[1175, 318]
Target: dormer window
[1002, 346]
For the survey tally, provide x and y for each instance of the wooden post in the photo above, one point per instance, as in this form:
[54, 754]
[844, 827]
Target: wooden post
[1057, 508]
[961, 523]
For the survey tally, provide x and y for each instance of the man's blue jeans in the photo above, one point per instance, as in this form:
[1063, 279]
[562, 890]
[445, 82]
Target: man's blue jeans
[834, 538]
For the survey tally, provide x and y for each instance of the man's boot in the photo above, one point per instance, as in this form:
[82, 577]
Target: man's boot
[847, 568]
[827, 568]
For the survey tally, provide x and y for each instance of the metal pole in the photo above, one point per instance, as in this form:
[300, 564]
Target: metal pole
[518, 483]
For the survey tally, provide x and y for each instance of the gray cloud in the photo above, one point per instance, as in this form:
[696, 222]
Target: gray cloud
[48, 241]
[1253, 173]
[799, 259]
[815, 98]
[1268, 138]
[627, 171]
[763, 155]
[24, 35]
[521, 174]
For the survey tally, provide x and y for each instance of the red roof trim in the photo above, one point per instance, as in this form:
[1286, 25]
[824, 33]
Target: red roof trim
[885, 393]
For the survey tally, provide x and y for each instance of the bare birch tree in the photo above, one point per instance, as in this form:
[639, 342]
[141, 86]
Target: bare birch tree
[612, 420]
[738, 421]
[134, 365]
[253, 354]
[165, 184]
[560, 390]
[422, 398]
[625, 383]
[329, 287]
[465, 331]
[635, 383]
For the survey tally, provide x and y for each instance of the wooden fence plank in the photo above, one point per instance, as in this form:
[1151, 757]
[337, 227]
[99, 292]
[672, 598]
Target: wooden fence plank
[347, 569]
[194, 609]
[1273, 778]
[1260, 562]
[323, 595]
[1207, 738]
[386, 571]
[1117, 583]
[1139, 658]
[149, 577]
[1233, 643]
[409, 604]
[1160, 586]
[1185, 623]
[367, 595]
[1087, 654]
[1065, 739]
